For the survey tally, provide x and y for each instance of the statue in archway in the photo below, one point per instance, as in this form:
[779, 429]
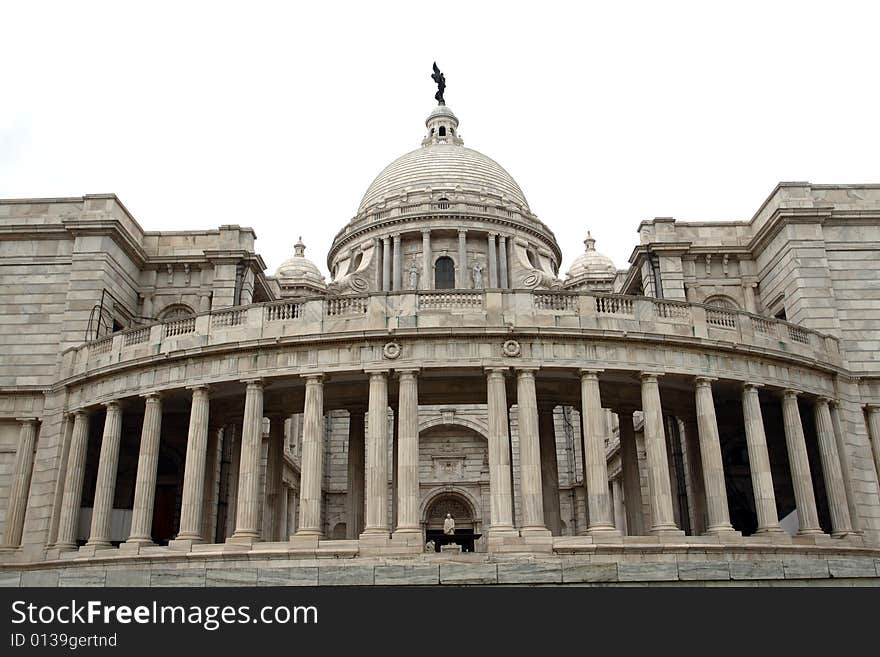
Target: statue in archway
[478, 275]
[449, 525]
[413, 275]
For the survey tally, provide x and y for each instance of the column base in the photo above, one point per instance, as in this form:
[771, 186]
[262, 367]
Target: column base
[183, 544]
[305, 540]
[666, 531]
[532, 540]
[604, 534]
[727, 531]
[91, 549]
[812, 538]
[134, 545]
[244, 538]
[406, 537]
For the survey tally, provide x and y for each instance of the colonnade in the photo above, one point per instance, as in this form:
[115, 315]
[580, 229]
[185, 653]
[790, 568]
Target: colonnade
[392, 268]
[370, 491]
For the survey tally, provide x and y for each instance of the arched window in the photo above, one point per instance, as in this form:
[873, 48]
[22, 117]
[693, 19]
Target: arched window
[533, 258]
[355, 262]
[722, 301]
[444, 273]
[175, 311]
[443, 203]
[442, 131]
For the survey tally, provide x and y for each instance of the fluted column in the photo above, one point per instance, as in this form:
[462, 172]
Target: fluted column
[312, 461]
[659, 487]
[759, 461]
[355, 495]
[831, 470]
[632, 479]
[493, 261]
[145, 480]
[247, 511]
[529, 452]
[105, 488]
[503, 276]
[500, 487]
[386, 264]
[710, 455]
[408, 454]
[843, 456]
[462, 269]
[21, 482]
[73, 482]
[595, 467]
[193, 498]
[377, 455]
[549, 468]
[397, 265]
[808, 517]
[427, 274]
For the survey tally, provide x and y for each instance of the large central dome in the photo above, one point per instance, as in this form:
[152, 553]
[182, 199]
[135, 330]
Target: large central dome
[439, 167]
[443, 164]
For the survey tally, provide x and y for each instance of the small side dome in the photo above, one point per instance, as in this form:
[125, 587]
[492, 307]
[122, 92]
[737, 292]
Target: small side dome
[590, 266]
[299, 272]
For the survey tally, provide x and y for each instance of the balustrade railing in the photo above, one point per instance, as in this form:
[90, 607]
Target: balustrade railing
[450, 300]
[284, 310]
[227, 318]
[725, 319]
[342, 306]
[614, 305]
[180, 327]
[670, 310]
[552, 301]
[138, 336]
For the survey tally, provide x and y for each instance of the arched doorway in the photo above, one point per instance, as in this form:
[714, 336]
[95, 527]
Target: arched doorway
[460, 510]
[444, 273]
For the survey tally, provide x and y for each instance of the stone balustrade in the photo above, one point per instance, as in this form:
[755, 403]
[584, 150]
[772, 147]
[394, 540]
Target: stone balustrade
[628, 316]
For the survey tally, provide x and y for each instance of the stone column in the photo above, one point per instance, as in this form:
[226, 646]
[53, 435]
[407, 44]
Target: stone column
[232, 485]
[427, 273]
[462, 269]
[355, 497]
[504, 277]
[696, 490]
[211, 502]
[759, 461]
[386, 264]
[500, 488]
[831, 470]
[397, 265]
[873, 413]
[632, 484]
[145, 480]
[408, 455]
[21, 482]
[493, 261]
[659, 487]
[312, 461]
[58, 493]
[619, 513]
[73, 482]
[377, 456]
[749, 296]
[247, 512]
[595, 467]
[272, 518]
[529, 453]
[845, 470]
[105, 488]
[194, 469]
[808, 517]
[549, 468]
[710, 455]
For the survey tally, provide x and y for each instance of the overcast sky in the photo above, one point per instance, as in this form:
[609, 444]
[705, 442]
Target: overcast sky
[277, 116]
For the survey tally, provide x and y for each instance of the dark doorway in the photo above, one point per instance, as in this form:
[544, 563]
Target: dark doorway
[464, 537]
[444, 273]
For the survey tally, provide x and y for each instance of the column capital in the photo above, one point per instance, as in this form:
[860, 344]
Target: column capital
[824, 399]
[590, 373]
[113, 404]
[200, 386]
[375, 374]
[27, 420]
[408, 372]
[80, 411]
[496, 372]
[526, 372]
[650, 376]
[152, 396]
[492, 236]
[872, 407]
[257, 382]
[462, 232]
[313, 378]
[704, 381]
[748, 386]
[426, 232]
[792, 392]
[502, 237]
[396, 237]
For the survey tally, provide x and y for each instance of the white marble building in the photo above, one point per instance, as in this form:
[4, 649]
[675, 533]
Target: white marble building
[710, 412]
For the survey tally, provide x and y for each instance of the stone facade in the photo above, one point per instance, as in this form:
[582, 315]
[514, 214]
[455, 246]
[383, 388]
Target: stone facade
[170, 414]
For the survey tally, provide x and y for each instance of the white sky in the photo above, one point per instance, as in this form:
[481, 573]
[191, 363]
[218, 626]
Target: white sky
[278, 116]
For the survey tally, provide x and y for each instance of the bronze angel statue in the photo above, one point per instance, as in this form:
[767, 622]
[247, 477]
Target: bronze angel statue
[440, 79]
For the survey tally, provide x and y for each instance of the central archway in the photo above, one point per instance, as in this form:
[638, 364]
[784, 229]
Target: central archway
[462, 511]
